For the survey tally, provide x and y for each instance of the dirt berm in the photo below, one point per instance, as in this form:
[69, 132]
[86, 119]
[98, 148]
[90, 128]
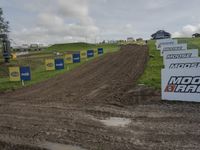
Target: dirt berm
[82, 108]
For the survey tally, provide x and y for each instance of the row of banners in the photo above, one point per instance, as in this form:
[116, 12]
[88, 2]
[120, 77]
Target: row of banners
[181, 75]
[24, 73]
[58, 64]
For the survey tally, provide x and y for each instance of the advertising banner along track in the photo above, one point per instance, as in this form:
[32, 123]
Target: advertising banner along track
[69, 58]
[175, 55]
[76, 58]
[165, 42]
[100, 51]
[188, 63]
[50, 64]
[174, 47]
[59, 64]
[25, 73]
[181, 85]
[90, 53]
[14, 73]
[83, 54]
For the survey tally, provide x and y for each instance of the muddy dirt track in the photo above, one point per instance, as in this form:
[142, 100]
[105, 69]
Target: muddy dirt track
[71, 109]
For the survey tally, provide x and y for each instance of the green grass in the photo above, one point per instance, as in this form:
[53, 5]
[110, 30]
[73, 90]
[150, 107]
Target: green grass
[193, 43]
[79, 47]
[36, 61]
[152, 73]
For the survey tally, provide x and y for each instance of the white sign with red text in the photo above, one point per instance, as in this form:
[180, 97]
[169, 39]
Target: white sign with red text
[181, 85]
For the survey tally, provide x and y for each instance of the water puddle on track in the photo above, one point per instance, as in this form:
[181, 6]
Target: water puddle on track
[57, 146]
[116, 122]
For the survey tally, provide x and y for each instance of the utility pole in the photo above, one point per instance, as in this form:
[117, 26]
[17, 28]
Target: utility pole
[5, 47]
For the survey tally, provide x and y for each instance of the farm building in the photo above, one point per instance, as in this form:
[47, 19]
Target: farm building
[196, 35]
[161, 34]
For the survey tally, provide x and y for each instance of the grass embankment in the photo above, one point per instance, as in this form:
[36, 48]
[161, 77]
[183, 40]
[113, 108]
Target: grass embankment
[152, 73]
[36, 61]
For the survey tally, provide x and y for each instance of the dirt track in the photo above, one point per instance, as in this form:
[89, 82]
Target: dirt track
[68, 110]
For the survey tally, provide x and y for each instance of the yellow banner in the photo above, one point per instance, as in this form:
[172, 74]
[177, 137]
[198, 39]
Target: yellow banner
[83, 54]
[14, 56]
[50, 64]
[95, 52]
[14, 73]
[69, 58]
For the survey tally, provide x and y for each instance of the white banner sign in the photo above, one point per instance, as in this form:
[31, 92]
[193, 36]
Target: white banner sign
[161, 42]
[181, 85]
[174, 47]
[188, 63]
[171, 55]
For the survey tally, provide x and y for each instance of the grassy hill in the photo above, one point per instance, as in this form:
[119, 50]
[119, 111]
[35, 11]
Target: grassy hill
[152, 74]
[79, 46]
[36, 61]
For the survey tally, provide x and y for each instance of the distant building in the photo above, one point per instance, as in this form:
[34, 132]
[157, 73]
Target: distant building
[161, 34]
[130, 39]
[196, 35]
[26, 47]
[139, 39]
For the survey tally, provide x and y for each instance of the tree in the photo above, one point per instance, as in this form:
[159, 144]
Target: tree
[4, 25]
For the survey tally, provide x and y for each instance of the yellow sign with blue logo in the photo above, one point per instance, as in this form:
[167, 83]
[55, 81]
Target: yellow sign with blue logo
[50, 64]
[69, 58]
[83, 54]
[14, 73]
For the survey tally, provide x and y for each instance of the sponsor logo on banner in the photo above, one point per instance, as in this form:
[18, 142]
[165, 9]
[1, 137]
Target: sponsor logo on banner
[180, 54]
[76, 58]
[187, 63]
[100, 51]
[25, 73]
[69, 58]
[175, 47]
[50, 64]
[162, 42]
[83, 54]
[59, 64]
[181, 85]
[184, 65]
[14, 73]
[90, 53]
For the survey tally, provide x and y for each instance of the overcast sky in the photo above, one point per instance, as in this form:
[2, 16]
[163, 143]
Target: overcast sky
[60, 21]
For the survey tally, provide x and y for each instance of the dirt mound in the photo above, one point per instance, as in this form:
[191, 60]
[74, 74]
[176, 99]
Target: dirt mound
[105, 79]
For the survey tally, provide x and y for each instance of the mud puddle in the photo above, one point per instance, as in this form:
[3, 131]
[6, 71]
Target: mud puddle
[116, 122]
[57, 146]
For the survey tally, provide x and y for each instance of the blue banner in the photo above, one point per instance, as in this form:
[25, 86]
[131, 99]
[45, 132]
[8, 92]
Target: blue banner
[59, 64]
[25, 73]
[100, 51]
[76, 58]
[90, 53]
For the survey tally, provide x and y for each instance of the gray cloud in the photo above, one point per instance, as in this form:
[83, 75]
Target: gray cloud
[77, 20]
[187, 31]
